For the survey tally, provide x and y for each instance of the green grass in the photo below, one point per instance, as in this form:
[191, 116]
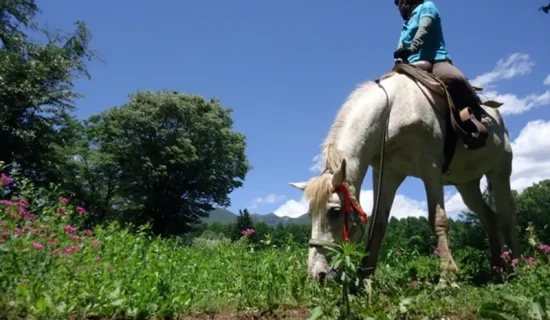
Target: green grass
[51, 271]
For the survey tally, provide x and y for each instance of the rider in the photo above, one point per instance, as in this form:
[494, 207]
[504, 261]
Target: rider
[422, 41]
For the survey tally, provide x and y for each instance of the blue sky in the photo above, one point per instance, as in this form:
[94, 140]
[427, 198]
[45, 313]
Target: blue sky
[285, 67]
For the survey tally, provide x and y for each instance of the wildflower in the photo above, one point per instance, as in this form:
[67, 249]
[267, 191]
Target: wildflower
[248, 231]
[96, 244]
[98, 259]
[38, 246]
[70, 250]
[55, 252]
[436, 251]
[515, 263]
[89, 233]
[69, 229]
[414, 283]
[81, 211]
[27, 229]
[61, 210]
[7, 203]
[505, 255]
[17, 231]
[5, 180]
[399, 254]
[63, 199]
[545, 248]
[530, 261]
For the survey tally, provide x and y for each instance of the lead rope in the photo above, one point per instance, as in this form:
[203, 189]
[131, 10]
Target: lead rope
[382, 148]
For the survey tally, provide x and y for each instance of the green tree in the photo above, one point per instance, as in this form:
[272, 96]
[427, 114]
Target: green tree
[170, 157]
[244, 221]
[533, 205]
[37, 129]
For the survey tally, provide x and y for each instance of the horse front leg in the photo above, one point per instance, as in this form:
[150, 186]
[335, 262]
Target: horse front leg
[438, 219]
[390, 183]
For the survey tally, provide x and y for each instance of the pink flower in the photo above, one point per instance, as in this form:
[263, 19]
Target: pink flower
[96, 244]
[89, 233]
[38, 246]
[436, 251]
[69, 229]
[98, 259]
[71, 249]
[530, 261]
[5, 180]
[63, 199]
[61, 210]
[545, 248]
[414, 283]
[505, 255]
[81, 211]
[7, 203]
[17, 231]
[248, 231]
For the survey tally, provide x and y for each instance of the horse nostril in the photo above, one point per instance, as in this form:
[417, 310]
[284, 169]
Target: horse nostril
[322, 276]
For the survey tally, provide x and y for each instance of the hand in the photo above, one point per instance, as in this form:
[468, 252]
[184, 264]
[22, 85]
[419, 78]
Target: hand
[402, 53]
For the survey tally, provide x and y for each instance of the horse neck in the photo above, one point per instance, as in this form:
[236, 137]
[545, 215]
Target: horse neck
[357, 132]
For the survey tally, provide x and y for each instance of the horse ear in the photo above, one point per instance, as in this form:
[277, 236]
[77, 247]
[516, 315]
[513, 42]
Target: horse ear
[339, 175]
[300, 185]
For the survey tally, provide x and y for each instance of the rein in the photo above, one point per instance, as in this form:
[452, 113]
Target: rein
[349, 201]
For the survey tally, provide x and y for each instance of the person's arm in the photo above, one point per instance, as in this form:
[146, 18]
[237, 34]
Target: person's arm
[424, 27]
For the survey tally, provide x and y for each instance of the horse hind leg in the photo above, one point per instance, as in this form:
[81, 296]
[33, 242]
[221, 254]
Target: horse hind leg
[473, 199]
[498, 180]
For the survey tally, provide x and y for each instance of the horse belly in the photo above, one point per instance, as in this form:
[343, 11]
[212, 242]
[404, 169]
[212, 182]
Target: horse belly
[468, 165]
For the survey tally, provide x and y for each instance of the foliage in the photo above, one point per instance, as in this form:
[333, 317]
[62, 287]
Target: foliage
[37, 129]
[163, 158]
[53, 268]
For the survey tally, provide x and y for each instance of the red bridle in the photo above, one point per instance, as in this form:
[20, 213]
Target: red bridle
[348, 203]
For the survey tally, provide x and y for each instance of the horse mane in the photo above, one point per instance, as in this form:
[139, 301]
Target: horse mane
[318, 188]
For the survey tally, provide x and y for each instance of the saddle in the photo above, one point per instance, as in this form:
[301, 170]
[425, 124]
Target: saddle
[466, 123]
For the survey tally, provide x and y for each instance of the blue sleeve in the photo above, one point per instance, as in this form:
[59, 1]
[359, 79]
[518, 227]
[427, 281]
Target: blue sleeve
[428, 10]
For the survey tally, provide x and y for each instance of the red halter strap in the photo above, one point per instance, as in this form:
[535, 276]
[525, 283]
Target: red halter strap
[348, 203]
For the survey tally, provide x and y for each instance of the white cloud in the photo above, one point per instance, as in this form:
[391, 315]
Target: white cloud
[531, 155]
[272, 198]
[547, 80]
[517, 64]
[516, 105]
[318, 165]
[292, 208]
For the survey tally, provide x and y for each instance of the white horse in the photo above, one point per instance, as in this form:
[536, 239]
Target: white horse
[413, 147]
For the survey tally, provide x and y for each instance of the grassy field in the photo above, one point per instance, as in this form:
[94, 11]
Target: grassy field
[53, 268]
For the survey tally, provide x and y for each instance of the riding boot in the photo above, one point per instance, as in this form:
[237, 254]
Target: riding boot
[474, 133]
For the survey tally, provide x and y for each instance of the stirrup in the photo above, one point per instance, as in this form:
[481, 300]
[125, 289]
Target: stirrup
[476, 139]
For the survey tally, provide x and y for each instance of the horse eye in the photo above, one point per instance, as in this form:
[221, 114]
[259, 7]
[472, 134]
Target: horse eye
[335, 210]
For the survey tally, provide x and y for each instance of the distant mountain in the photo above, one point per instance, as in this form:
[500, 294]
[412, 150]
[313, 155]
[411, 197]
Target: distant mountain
[225, 216]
